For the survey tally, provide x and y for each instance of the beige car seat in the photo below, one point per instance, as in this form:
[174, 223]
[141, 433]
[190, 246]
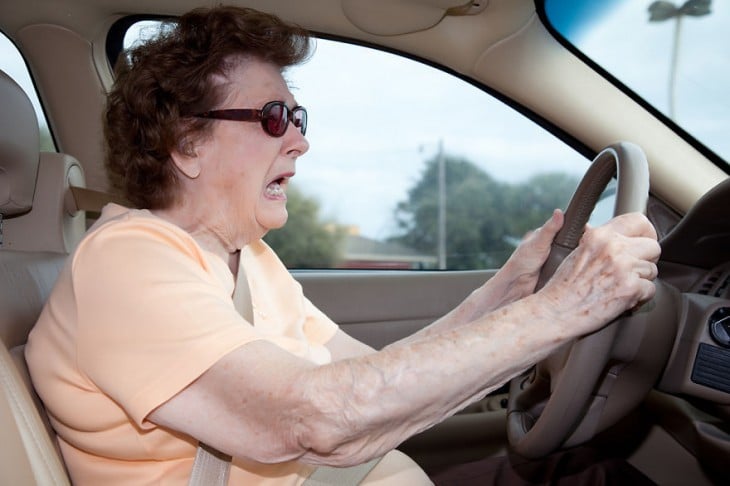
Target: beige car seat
[39, 226]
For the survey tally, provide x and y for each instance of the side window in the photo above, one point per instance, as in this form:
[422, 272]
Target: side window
[410, 167]
[12, 63]
[413, 168]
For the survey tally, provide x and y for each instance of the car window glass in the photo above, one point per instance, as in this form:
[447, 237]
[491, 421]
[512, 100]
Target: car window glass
[14, 66]
[675, 56]
[410, 167]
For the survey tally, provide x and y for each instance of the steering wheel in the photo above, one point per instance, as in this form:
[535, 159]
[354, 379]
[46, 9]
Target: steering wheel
[563, 400]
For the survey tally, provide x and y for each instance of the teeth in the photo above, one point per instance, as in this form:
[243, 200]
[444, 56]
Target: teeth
[274, 189]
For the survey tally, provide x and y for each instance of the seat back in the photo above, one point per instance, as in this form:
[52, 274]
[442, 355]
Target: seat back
[39, 225]
[29, 453]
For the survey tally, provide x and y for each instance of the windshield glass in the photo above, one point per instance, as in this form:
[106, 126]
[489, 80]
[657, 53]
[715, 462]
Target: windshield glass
[674, 55]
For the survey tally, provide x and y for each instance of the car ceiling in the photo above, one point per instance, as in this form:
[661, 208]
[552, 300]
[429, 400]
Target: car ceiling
[501, 44]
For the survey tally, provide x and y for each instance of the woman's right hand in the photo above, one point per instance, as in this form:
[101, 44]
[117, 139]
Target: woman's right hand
[610, 271]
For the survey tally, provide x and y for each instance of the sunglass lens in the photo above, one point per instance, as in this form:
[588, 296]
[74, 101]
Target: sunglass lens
[300, 119]
[275, 119]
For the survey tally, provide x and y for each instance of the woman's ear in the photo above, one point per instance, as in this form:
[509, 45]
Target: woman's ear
[186, 160]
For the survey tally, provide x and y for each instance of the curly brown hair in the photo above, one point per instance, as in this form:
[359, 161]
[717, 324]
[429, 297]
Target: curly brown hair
[161, 82]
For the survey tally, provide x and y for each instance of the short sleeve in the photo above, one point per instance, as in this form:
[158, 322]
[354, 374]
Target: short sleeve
[152, 314]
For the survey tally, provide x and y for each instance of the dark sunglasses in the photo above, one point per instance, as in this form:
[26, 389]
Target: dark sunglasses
[274, 117]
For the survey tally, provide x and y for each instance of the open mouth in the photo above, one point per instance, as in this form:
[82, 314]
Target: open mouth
[276, 188]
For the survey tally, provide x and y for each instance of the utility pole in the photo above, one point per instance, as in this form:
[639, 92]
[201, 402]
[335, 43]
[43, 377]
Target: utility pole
[442, 208]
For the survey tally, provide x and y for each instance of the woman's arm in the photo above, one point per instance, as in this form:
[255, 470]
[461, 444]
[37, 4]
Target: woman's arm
[264, 404]
[261, 403]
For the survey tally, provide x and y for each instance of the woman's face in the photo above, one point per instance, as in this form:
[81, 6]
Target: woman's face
[244, 172]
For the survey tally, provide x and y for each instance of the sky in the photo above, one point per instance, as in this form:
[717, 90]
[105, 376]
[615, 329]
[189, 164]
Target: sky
[573, 17]
[374, 120]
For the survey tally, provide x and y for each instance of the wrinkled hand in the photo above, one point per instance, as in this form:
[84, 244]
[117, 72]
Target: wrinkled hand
[523, 267]
[610, 271]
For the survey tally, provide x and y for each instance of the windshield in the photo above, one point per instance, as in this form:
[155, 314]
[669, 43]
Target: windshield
[673, 55]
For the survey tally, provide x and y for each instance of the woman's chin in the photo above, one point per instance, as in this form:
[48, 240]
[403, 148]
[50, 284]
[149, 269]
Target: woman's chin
[273, 222]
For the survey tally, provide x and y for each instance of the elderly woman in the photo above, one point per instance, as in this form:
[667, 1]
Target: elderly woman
[140, 353]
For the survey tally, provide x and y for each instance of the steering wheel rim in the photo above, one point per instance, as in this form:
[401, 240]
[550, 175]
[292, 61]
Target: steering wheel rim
[545, 413]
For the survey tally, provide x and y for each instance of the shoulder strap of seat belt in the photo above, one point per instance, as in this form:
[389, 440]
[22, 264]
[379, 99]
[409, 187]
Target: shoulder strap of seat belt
[210, 468]
[91, 200]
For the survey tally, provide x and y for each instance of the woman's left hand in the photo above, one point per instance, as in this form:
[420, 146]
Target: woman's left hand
[518, 277]
[515, 280]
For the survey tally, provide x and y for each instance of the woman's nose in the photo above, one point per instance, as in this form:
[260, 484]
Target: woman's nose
[296, 143]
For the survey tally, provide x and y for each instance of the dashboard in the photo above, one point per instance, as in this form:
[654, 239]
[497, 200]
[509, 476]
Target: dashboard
[696, 260]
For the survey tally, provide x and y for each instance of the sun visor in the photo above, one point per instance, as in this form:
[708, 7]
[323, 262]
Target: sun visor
[395, 17]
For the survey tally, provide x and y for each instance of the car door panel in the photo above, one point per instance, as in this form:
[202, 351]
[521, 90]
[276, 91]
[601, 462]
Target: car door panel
[379, 307]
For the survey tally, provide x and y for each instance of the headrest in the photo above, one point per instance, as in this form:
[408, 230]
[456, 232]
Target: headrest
[19, 148]
[55, 223]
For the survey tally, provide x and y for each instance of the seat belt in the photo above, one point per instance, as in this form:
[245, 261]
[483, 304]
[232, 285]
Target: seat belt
[91, 200]
[212, 468]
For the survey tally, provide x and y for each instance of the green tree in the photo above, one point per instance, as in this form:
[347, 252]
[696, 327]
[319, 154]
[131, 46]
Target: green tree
[485, 217]
[471, 200]
[532, 201]
[306, 241]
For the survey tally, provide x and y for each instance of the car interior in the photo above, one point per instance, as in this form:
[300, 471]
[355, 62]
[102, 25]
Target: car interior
[655, 384]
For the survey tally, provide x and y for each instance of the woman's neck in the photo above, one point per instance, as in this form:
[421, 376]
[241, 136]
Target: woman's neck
[206, 235]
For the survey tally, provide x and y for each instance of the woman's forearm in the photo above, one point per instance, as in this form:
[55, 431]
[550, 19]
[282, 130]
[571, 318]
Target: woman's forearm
[363, 407]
